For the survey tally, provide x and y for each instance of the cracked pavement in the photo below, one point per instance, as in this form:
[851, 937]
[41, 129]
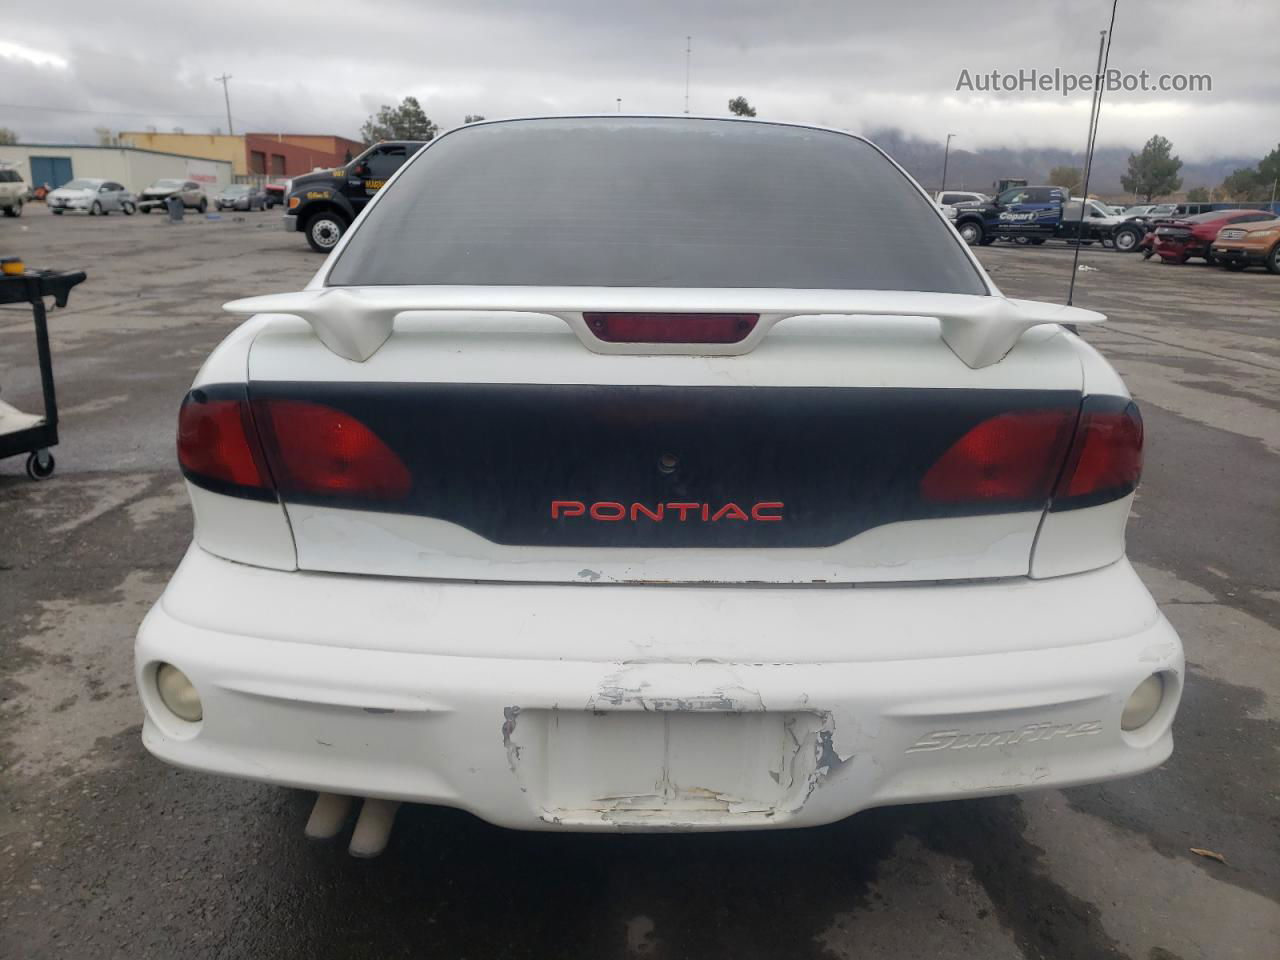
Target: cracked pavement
[106, 852]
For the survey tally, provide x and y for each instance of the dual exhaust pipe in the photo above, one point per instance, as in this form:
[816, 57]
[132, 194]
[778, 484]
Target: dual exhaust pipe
[373, 826]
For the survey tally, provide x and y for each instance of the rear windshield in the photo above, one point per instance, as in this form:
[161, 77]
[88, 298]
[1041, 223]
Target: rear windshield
[655, 203]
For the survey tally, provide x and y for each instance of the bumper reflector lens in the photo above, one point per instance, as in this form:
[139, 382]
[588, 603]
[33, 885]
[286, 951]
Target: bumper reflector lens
[1143, 703]
[178, 694]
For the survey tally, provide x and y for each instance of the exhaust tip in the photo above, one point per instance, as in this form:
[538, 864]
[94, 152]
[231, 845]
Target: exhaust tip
[328, 815]
[373, 828]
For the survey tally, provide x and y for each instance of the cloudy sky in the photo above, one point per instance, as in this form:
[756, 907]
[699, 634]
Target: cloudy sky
[324, 65]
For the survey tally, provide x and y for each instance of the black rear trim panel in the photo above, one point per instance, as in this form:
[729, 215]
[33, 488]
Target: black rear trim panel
[493, 457]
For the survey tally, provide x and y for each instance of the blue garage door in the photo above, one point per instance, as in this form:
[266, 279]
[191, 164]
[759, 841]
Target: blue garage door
[55, 171]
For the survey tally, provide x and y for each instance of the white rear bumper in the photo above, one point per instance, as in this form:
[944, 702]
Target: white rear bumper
[652, 707]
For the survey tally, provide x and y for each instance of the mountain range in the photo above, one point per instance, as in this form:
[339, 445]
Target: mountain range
[978, 169]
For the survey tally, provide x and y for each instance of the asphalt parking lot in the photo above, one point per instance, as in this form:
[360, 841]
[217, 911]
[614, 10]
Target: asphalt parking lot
[105, 852]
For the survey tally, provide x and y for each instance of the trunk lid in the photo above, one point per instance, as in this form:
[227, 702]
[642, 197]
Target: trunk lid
[813, 458]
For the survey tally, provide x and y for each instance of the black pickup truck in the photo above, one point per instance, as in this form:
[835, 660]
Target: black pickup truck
[323, 204]
[1033, 214]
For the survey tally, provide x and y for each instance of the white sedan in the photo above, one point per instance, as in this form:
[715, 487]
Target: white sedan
[621, 473]
[92, 196]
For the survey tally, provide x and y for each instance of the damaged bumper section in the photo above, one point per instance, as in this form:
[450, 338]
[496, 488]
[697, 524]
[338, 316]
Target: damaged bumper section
[605, 707]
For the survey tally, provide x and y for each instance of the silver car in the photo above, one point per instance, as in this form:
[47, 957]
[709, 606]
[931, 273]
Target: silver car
[240, 196]
[156, 195]
[92, 196]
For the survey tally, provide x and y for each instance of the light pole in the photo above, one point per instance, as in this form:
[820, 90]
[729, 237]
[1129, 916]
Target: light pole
[619, 104]
[946, 155]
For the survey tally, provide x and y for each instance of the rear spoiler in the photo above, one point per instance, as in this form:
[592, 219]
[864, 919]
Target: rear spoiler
[354, 322]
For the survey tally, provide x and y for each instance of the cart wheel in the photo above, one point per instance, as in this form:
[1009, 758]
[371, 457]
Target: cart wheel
[40, 464]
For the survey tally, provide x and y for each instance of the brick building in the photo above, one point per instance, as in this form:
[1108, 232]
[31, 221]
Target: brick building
[287, 154]
[266, 155]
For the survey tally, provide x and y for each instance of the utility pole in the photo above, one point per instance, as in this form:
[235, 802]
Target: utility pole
[226, 96]
[619, 104]
[946, 155]
[688, 54]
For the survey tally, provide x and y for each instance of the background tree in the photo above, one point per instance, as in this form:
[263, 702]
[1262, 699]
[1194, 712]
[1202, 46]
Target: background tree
[1242, 184]
[7, 136]
[1068, 177]
[739, 107]
[473, 118]
[1198, 195]
[405, 122]
[1154, 171]
[1268, 173]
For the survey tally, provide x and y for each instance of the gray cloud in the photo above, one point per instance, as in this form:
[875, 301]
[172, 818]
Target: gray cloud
[324, 66]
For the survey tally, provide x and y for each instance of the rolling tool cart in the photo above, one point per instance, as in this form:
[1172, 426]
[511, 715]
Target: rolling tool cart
[22, 432]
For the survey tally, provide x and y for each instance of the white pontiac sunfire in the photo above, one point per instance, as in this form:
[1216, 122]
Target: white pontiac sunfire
[641, 473]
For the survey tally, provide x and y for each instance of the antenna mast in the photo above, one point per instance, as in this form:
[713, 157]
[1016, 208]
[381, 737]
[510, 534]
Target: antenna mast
[688, 55]
[1095, 114]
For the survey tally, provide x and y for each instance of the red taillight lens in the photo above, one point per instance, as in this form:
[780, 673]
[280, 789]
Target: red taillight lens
[217, 445]
[316, 449]
[1013, 457]
[1105, 462]
[671, 327]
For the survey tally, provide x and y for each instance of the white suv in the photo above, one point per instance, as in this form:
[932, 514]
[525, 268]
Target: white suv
[619, 473]
[13, 190]
[968, 197]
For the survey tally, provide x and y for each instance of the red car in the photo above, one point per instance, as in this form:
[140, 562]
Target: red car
[274, 194]
[1176, 241]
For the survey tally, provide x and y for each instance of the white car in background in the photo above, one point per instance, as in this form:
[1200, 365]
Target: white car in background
[13, 190]
[664, 496]
[954, 197]
[156, 196]
[93, 196]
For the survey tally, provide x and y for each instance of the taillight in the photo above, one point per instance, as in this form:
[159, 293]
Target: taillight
[671, 327]
[1080, 458]
[1010, 458]
[1105, 462]
[217, 445]
[320, 451]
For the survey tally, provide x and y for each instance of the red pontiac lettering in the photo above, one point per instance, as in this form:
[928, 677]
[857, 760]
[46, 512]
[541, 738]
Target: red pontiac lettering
[654, 515]
[610, 511]
[757, 512]
[683, 509]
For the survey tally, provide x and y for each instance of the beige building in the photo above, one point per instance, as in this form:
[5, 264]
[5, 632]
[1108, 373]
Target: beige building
[255, 154]
[57, 163]
[210, 146]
